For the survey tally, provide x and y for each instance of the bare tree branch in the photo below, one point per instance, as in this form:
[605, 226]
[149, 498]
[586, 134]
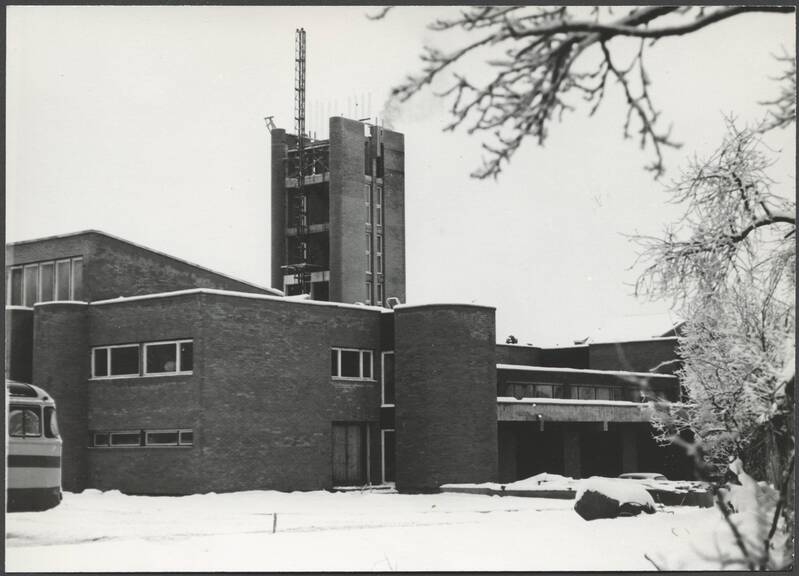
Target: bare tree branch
[543, 63]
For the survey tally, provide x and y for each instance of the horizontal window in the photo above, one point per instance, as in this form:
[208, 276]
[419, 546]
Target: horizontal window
[169, 357]
[126, 438]
[44, 282]
[145, 438]
[118, 361]
[351, 363]
[128, 360]
[24, 421]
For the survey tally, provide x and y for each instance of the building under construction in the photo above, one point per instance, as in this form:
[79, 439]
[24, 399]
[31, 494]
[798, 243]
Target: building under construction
[338, 207]
[338, 219]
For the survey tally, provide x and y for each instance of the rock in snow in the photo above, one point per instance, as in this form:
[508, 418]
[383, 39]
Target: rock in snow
[610, 498]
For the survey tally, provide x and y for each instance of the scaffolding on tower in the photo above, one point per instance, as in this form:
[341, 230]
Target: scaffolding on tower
[300, 264]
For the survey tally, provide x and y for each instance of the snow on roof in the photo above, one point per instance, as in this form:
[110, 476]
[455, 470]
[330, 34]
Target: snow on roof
[142, 247]
[16, 307]
[248, 295]
[569, 401]
[50, 303]
[634, 328]
[581, 371]
[471, 305]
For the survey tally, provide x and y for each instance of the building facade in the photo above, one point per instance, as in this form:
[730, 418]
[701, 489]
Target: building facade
[171, 378]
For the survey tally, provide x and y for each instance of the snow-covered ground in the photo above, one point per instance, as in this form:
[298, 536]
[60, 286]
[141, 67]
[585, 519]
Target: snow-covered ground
[352, 531]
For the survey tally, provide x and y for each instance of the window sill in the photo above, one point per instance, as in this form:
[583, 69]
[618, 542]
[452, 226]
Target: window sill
[345, 379]
[133, 447]
[140, 376]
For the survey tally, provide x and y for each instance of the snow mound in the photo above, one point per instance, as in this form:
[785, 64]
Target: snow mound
[543, 481]
[611, 497]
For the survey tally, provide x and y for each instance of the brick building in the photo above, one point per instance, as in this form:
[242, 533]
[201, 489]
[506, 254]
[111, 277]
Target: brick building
[171, 378]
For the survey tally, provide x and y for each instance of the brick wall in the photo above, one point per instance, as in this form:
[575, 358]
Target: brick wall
[446, 425]
[566, 357]
[641, 356]
[515, 354]
[61, 367]
[19, 344]
[268, 398]
[160, 402]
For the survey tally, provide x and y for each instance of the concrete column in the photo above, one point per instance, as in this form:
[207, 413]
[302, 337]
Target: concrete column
[629, 449]
[571, 451]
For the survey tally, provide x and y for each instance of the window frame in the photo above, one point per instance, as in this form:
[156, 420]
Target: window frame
[383, 403]
[143, 438]
[379, 205]
[111, 434]
[40, 295]
[25, 268]
[10, 286]
[361, 352]
[72, 276]
[368, 201]
[108, 349]
[383, 453]
[369, 266]
[56, 284]
[178, 361]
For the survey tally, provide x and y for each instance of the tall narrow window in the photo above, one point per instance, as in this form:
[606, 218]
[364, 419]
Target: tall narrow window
[77, 278]
[379, 254]
[31, 284]
[379, 206]
[368, 201]
[47, 281]
[368, 291]
[368, 253]
[387, 379]
[62, 274]
[379, 293]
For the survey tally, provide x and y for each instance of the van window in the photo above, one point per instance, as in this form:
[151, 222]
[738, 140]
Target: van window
[50, 422]
[24, 421]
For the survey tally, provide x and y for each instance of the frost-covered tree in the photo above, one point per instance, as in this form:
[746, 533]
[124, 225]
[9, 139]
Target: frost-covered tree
[729, 264]
[545, 61]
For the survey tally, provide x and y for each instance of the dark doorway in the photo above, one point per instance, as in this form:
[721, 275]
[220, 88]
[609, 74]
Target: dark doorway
[349, 454]
[600, 450]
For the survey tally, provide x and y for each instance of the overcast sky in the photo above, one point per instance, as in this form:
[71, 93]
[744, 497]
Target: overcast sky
[147, 123]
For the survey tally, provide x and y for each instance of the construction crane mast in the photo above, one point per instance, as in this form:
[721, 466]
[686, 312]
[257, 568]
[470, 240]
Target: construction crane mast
[301, 268]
